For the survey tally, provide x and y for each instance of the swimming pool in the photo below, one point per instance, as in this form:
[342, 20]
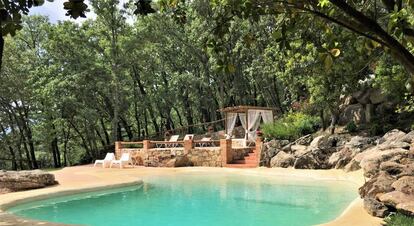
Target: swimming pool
[200, 199]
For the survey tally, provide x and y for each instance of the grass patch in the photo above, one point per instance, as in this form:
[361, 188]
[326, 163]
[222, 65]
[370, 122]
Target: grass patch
[399, 219]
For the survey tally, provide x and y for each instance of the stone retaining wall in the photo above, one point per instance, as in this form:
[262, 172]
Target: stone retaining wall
[175, 157]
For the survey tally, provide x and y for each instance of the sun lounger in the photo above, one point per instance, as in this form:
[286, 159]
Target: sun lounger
[173, 138]
[107, 160]
[125, 159]
[206, 141]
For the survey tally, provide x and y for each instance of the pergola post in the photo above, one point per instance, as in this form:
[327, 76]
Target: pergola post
[246, 131]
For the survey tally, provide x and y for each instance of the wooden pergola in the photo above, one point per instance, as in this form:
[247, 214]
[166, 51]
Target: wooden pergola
[242, 109]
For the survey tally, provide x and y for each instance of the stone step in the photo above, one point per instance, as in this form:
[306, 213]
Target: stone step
[241, 165]
[245, 161]
[250, 158]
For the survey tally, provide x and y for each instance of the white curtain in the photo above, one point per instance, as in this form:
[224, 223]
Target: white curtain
[253, 117]
[242, 117]
[231, 122]
[267, 116]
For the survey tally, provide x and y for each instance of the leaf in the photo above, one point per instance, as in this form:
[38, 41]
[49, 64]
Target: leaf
[277, 35]
[335, 52]
[328, 62]
[323, 3]
[231, 68]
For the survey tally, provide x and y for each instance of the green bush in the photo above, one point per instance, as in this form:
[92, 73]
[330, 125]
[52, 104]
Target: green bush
[291, 126]
[399, 220]
[351, 127]
[376, 129]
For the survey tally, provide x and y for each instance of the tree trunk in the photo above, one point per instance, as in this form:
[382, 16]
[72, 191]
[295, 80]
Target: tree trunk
[127, 128]
[1, 48]
[322, 117]
[105, 131]
[13, 155]
[334, 120]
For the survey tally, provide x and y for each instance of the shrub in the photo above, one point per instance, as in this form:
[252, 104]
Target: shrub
[291, 126]
[351, 127]
[399, 220]
[376, 129]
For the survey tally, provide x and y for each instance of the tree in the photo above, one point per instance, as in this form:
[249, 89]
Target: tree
[387, 24]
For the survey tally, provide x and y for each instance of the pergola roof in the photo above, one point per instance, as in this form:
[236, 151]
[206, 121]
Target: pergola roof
[243, 108]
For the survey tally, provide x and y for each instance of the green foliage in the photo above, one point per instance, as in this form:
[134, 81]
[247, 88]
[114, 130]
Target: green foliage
[376, 129]
[351, 127]
[390, 77]
[407, 105]
[291, 126]
[399, 219]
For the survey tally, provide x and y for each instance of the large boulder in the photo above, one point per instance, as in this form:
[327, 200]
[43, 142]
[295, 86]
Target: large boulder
[362, 96]
[179, 161]
[375, 207]
[340, 159]
[305, 140]
[321, 142]
[408, 138]
[314, 159]
[354, 112]
[358, 143]
[399, 200]
[306, 162]
[11, 181]
[376, 96]
[371, 161]
[392, 136]
[282, 159]
[270, 149]
[299, 150]
[405, 185]
[379, 184]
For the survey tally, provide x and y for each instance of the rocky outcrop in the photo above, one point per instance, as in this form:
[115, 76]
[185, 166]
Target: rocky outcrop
[271, 149]
[11, 181]
[354, 112]
[386, 161]
[282, 159]
[390, 169]
[363, 105]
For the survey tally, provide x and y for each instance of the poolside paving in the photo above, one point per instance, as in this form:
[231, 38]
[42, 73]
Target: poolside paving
[86, 178]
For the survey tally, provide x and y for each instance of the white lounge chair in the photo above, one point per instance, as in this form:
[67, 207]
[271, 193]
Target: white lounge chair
[125, 159]
[188, 137]
[107, 160]
[205, 144]
[173, 138]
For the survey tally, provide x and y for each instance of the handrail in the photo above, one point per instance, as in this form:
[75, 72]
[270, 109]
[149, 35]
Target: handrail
[166, 142]
[131, 142]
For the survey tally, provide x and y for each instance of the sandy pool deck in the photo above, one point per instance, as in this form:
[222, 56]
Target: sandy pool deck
[86, 178]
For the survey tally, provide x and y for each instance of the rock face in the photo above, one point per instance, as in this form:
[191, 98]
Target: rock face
[354, 112]
[363, 105]
[11, 181]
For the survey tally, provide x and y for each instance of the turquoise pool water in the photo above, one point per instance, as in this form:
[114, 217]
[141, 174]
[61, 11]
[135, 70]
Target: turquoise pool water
[199, 199]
